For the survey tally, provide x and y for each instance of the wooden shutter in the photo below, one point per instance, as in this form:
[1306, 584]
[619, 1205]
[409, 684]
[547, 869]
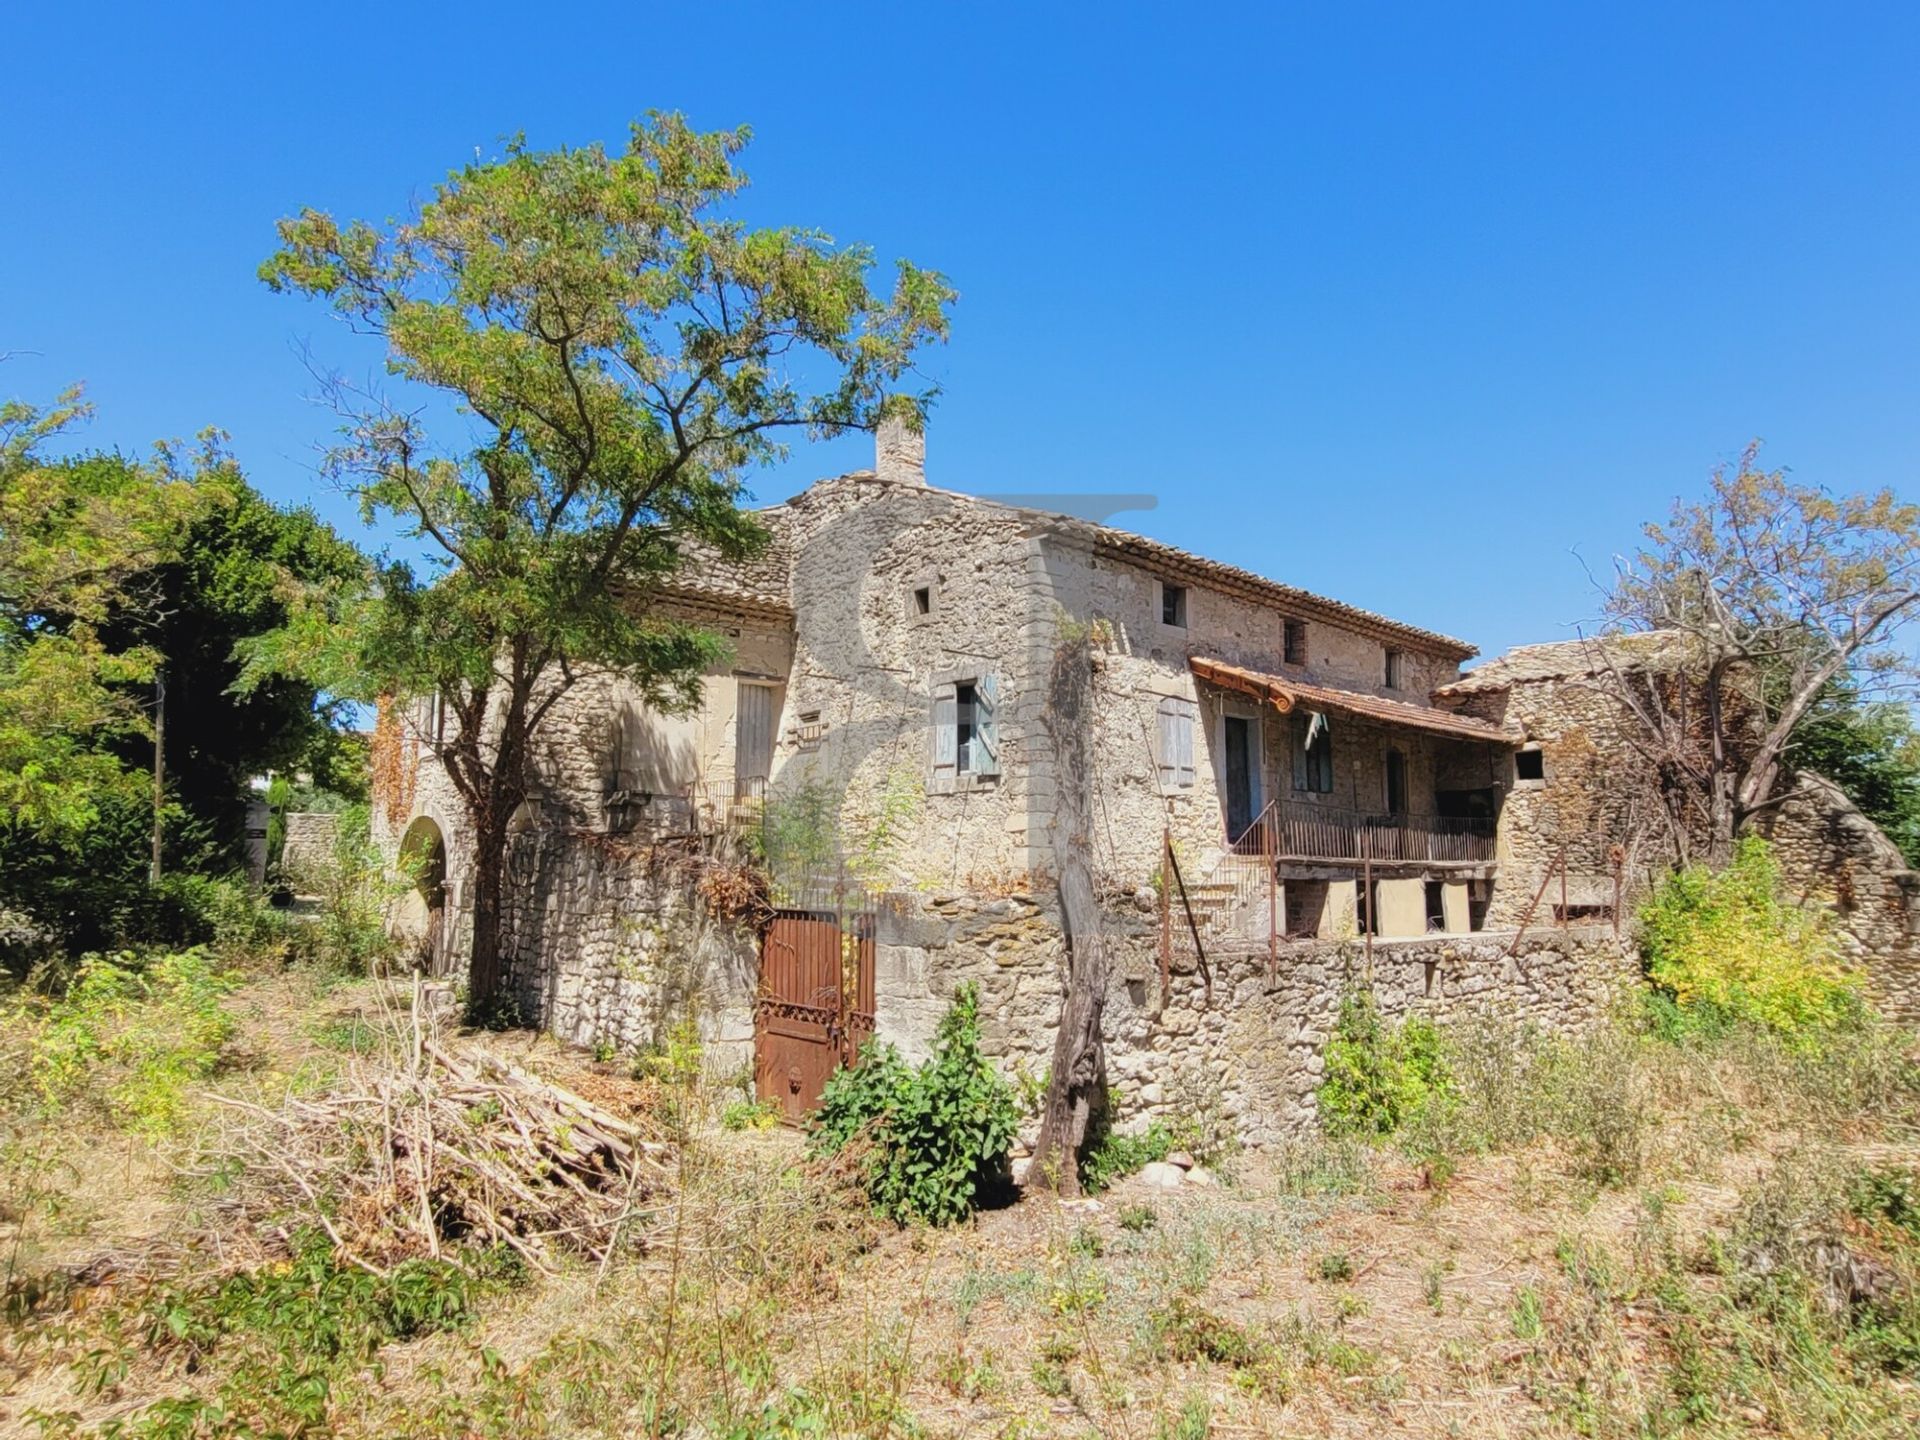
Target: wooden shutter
[986, 726]
[1175, 754]
[1169, 752]
[946, 725]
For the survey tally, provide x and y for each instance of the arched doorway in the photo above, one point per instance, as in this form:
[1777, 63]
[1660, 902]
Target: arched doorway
[423, 858]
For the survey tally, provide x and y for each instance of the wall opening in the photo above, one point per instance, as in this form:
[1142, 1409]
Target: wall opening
[1173, 605]
[1436, 907]
[1294, 642]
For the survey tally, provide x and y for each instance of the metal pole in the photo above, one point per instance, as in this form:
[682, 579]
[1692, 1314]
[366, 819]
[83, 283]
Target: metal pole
[1273, 900]
[1563, 887]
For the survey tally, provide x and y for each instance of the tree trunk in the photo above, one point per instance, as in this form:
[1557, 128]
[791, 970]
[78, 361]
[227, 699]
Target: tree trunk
[489, 884]
[1077, 1085]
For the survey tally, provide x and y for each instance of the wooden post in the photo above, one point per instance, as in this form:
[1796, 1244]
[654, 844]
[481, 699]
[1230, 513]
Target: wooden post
[159, 767]
[1373, 920]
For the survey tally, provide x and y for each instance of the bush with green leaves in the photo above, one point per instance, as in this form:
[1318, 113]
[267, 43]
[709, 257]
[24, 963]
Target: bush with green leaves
[1380, 1076]
[135, 1033]
[1725, 946]
[1113, 1156]
[938, 1134]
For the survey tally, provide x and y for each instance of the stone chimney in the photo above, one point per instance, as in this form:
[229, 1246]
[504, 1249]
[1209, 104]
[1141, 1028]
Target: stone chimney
[900, 452]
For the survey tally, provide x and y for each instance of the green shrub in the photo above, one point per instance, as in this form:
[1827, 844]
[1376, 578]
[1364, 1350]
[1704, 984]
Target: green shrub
[750, 1115]
[938, 1133]
[1380, 1076]
[1113, 1157]
[136, 1033]
[282, 1334]
[1724, 946]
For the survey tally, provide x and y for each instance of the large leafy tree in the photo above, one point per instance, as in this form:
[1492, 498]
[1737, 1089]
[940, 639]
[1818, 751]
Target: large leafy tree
[112, 570]
[620, 351]
[77, 548]
[1769, 594]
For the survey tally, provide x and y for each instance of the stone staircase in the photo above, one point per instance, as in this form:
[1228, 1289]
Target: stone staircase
[1229, 904]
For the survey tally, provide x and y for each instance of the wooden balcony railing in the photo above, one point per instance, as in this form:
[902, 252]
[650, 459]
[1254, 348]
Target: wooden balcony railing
[1288, 830]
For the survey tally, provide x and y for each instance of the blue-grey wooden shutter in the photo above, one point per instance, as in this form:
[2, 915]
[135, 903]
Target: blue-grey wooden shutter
[986, 726]
[1168, 754]
[1184, 717]
[945, 732]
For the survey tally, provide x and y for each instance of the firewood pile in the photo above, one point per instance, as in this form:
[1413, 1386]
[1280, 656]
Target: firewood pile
[425, 1143]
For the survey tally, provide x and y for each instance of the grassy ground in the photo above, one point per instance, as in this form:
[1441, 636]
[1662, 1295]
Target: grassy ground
[1628, 1237]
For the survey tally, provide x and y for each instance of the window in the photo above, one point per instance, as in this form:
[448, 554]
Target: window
[1396, 783]
[1530, 766]
[966, 732]
[1396, 669]
[1436, 898]
[1366, 907]
[923, 600]
[966, 708]
[1295, 652]
[1312, 753]
[1177, 717]
[1173, 605]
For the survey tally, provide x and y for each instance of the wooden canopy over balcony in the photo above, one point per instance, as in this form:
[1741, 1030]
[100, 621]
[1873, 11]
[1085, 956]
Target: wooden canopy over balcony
[1286, 694]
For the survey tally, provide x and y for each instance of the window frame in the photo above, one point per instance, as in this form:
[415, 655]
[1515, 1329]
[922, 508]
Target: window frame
[1304, 768]
[1176, 597]
[1293, 641]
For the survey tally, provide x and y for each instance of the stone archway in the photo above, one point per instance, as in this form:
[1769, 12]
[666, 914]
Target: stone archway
[422, 913]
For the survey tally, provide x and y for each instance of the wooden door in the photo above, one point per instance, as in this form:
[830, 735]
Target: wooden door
[753, 740]
[1238, 736]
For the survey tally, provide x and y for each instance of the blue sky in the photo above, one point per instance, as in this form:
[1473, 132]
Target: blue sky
[1403, 304]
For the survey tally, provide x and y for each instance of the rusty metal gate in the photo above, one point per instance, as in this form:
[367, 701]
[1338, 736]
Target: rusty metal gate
[815, 1004]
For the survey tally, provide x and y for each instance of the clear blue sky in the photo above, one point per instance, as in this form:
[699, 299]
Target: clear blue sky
[1402, 304]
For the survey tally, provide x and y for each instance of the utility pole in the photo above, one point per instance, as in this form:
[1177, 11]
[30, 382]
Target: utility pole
[159, 764]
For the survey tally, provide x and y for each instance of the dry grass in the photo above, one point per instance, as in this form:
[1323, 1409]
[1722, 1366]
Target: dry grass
[1333, 1290]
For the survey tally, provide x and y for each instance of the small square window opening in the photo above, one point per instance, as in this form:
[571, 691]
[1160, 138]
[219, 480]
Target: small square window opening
[1530, 766]
[1295, 652]
[1173, 605]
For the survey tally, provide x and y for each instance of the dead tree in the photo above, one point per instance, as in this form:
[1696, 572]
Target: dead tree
[1077, 1086]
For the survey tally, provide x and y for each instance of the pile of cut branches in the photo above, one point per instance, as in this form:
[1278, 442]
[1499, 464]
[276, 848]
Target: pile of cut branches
[424, 1143]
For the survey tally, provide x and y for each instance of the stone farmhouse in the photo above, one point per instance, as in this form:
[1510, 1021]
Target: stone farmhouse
[1288, 792]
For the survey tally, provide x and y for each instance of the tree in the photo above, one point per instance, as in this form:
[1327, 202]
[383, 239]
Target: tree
[111, 568]
[1766, 594]
[621, 353]
[1076, 1095]
[1871, 750]
[77, 549]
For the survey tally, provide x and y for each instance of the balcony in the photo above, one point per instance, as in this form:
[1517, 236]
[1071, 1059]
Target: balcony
[1290, 831]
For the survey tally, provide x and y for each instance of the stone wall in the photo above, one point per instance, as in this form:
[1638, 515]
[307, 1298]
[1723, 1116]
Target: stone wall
[601, 949]
[1254, 1046]
[307, 852]
[1831, 854]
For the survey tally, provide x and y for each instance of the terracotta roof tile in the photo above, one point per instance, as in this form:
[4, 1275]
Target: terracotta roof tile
[1285, 694]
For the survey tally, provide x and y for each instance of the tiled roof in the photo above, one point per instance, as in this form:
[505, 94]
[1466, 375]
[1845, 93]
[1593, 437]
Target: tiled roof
[764, 581]
[1217, 572]
[1286, 694]
[1566, 660]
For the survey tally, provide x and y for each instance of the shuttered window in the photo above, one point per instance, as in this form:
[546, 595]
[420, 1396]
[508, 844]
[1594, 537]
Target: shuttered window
[1176, 723]
[1312, 753]
[966, 727]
